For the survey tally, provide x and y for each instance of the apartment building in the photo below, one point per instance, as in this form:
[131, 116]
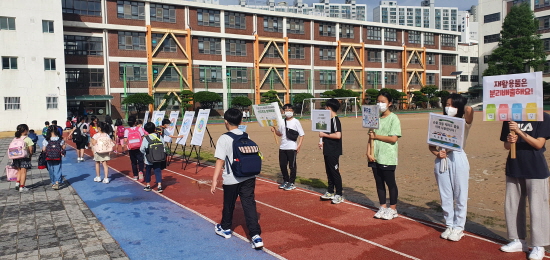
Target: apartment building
[424, 16]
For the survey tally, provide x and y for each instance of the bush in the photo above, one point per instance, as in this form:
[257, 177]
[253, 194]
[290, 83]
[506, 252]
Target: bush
[241, 102]
[207, 99]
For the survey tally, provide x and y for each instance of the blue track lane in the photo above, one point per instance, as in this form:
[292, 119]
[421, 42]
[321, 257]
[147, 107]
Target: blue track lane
[146, 225]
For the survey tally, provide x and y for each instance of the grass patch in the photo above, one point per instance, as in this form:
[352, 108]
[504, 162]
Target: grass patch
[313, 182]
[205, 156]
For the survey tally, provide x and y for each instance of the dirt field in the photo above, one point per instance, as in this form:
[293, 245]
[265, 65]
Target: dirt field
[418, 193]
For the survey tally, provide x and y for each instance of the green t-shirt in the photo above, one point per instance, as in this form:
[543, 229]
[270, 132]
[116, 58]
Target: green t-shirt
[386, 153]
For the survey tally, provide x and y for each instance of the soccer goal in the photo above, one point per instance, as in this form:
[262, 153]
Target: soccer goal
[347, 105]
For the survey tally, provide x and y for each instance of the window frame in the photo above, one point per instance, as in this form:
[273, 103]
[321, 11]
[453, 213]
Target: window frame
[204, 71]
[349, 28]
[84, 77]
[374, 33]
[296, 23]
[47, 26]
[240, 47]
[429, 38]
[168, 45]
[216, 42]
[241, 25]
[448, 40]
[88, 44]
[6, 25]
[10, 60]
[448, 59]
[166, 9]
[49, 64]
[12, 103]
[68, 6]
[327, 53]
[330, 29]
[390, 78]
[414, 37]
[213, 18]
[234, 74]
[136, 45]
[52, 103]
[376, 57]
[390, 35]
[136, 10]
[276, 23]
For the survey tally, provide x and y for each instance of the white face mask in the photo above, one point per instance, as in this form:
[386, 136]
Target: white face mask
[451, 111]
[383, 107]
[289, 114]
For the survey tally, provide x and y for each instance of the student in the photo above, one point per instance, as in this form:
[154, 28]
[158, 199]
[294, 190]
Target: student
[93, 128]
[452, 171]
[162, 131]
[331, 144]
[136, 156]
[32, 135]
[101, 158]
[384, 162]
[109, 122]
[151, 166]
[83, 142]
[58, 128]
[527, 177]
[21, 165]
[234, 187]
[290, 146]
[120, 135]
[68, 124]
[56, 144]
[45, 129]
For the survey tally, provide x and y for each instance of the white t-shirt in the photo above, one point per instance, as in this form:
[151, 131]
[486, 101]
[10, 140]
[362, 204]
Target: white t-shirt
[287, 144]
[224, 148]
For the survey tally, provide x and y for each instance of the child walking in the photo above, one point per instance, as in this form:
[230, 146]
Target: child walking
[100, 142]
[152, 166]
[22, 164]
[133, 136]
[527, 178]
[384, 162]
[331, 144]
[54, 147]
[292, 135]
[119, 138]
[233, 186]
[452, 171]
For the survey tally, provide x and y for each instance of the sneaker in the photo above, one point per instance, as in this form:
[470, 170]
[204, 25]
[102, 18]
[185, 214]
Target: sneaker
[147, 188]
[140, 178]
[517, 245]
[537, 253]
[135, 178]
[327, 196]
[283, 185]
[55, 186]
[290, 186]
[257, 242]
[456, 235]
[97, 179]
[390, 214]
[17, 186]
[337, 199]
[220, 231]
[447, 233]
[160, 189]
[380, 212]
[23, 189]
[106, 180]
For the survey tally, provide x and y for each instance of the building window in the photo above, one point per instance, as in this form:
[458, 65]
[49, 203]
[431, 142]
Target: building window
[544, 22]
[429, 39]
[170, 74]
[474, 78]
[81, 7]
[49, 64]
[131, 41]
[134, 71]
[235, 20]
[447, 40]
[85, 78]
[350, 79]
[295, 26]
[272, 50]
[463, 59]
[474, 59]
[297, 51]
[327, 29]
[327, 53]
[297, 76]
[414, 59]
[47, 26]
[235, 47]
[391, 78]
[491, 18]
[491, 38]
[349, 56]
[390, 35]
[207, 17]
[374, 77]
[83, 45]
[327, 77]
[414, 37]
[238, 74]
[448, 84]
[546, 44]
[273, 24]
[130, 10]
[448, 59]
[374, 33]
[210, 45]
[12, 103]
[163, 13]
[7, 23]
[9, 63]
[430, 78]
[168, 45]
[486, 59]
[210, 74]
[391, 56]
[51, 102]
[346, 31]
[374, 55]
[430, 59]
[463, 78]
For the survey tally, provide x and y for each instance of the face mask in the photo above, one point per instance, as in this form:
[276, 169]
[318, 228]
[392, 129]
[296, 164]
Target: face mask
[289, 114]
[383, 107]
[451, 111]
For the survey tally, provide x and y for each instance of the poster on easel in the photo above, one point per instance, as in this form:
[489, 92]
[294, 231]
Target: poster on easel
[446, 132]
[320, 120]
[185, 127]
[172, 127]
[146, 117]
[371, 116]
[200, 127]
[268, 114]
[158, 116]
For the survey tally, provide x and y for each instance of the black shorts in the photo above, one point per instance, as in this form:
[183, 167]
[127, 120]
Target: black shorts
[81, 145]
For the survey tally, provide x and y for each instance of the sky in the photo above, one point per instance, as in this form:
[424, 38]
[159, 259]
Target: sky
[371, 4]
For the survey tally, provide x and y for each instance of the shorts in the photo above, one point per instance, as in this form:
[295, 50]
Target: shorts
[24, 163]
[81, 145]
[102, 157]
[119, 140]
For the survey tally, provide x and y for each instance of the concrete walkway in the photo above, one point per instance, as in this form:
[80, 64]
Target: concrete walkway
[47, 224]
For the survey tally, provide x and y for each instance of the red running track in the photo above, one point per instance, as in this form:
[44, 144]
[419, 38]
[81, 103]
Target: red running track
[297, 225]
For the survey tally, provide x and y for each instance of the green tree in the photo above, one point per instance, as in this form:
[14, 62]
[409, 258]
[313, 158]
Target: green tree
[419, 98]
[241, 102]
[429, 90]
[140, 101]
[394, 93]
[270, 97]
[298, 101]
[372, 94]
[520, 47]
[328, 94]
[345, 93]
[186, 99]
[207, 99]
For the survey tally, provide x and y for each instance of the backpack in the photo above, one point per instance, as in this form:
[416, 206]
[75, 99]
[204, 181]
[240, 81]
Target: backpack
[33, 137]
[54, 150]
[42, 164]
[44, 131]
[134, 139]
[155, 150]
[11, 173]
[104, 144]
[17, 149]
[77, 134]
[120, 131]
[247, 160]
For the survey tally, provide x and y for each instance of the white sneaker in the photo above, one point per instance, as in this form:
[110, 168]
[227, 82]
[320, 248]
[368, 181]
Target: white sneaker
[106, 180]
[456, 235]
[389, 214]
[447, 233]
[337, 199]
[257, 242]
[327, 196]
[380, 212]
[517, 245]
[97, 179]
[537, 253]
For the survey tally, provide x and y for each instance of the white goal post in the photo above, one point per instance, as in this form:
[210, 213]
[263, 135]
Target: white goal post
[345, 104]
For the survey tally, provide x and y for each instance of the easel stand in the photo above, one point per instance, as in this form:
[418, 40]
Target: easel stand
[198, 152]
[212, 144]
[185, 159]
[172, 152]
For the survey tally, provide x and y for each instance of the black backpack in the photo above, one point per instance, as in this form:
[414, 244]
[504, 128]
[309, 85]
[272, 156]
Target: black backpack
[54, 150]
[247, 160]
[155, 150]
[77, 135]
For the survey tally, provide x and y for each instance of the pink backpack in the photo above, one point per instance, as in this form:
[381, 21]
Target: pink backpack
[17, 149]
[120, 131]
[104, 144]
[134, 138]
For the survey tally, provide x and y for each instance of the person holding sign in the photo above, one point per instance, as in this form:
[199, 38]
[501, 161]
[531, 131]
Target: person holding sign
[527, 177]
[291, 134]
[384, 161]
[452, 171]
[331, 144]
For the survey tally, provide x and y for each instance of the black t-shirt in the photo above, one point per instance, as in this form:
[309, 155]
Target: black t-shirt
[529, 163]
[333, 146]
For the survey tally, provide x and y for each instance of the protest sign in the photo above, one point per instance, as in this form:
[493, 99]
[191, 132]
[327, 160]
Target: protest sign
[146, 117]
[446, 132]
[513, 97]
[371, 116]
[172, 127]
[320, 120]
[268, 114]
[200, 127]
[185, 127]
[157, 117]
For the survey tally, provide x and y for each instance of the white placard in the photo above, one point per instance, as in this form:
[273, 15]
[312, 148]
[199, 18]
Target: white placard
[158, 116]
[185, 127]
[200, 127]
[320, 120]
[446, 132]
[146, 117]
[172, 127]
[371, 116]
[268, 114]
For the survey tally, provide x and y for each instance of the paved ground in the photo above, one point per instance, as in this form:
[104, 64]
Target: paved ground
[47, 224]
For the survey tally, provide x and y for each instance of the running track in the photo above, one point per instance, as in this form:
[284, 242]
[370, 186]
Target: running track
[295, 224]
